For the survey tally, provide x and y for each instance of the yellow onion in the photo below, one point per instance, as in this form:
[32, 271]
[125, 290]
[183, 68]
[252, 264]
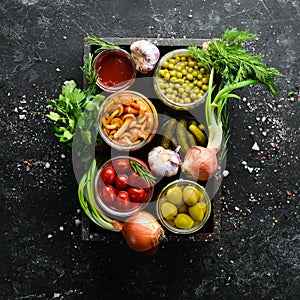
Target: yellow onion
[142, 232]
[200, 163]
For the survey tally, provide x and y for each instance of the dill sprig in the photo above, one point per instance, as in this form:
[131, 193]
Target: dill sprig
[230, 59]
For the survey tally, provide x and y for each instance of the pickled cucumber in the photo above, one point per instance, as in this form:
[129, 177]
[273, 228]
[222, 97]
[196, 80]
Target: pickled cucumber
[199, 135]
[181, 133]
[168, 133]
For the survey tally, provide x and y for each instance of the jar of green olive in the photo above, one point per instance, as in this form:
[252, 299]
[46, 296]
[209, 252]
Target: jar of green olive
[183, 206]
[180, 81]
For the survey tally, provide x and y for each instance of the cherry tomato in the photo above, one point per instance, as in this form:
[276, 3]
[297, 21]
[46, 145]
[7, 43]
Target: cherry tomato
[136, 181]
[108, 175]
[122, 166]
[123, 200]
[121, 181]
[108, 194]
[137, 194]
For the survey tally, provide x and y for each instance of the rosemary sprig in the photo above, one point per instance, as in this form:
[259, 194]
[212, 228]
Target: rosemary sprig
[90, 76]
[143, 173]
[102, 44]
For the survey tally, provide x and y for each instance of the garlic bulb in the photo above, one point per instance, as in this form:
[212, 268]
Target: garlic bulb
[164, 162]
[145, 55]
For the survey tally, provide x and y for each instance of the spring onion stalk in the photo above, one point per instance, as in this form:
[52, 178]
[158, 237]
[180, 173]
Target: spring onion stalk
[87, 201]
[215, 108]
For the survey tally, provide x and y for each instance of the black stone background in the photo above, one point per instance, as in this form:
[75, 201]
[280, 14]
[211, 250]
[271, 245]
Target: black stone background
[42, 255]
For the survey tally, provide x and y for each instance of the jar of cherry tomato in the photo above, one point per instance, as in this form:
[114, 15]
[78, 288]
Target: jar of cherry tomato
[119, 190]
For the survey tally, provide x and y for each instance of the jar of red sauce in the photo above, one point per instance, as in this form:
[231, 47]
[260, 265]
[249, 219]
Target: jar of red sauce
[115, 69]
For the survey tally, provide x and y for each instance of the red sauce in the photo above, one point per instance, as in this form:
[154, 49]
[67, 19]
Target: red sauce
[115, 70]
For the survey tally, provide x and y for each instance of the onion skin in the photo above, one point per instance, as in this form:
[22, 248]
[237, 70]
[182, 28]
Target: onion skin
[142, 232]
[200, 163]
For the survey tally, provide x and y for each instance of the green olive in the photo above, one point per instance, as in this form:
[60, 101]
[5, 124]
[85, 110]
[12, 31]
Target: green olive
[196, 212]
[183, 208]
[168, 210]
[190, 195]
[183, 221]
[174, 195]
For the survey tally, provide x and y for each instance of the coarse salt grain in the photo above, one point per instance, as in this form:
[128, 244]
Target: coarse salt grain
[255, 147]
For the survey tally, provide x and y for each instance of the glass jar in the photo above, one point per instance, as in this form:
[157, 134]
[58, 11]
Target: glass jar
[180, 81]
[127, 120]
[115, 69]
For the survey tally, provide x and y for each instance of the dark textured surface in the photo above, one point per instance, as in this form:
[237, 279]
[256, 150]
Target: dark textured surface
[42, 254]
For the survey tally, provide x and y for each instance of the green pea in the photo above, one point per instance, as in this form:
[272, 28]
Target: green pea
[199, 83]
[172, 61]
[202, 71]
[165, 65]
[167, 75]
[204, 87]
[204, 80]
[190, 70]
[189, 76]
[191, 64]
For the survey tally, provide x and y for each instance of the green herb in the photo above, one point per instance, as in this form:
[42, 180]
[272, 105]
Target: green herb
[87, 200]
[100, 43]
[90, 76]
[75, 112]
[68, 109]
[231, 60]
[215, 112]
[88, 70]
[143, 173]
[292, 94]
